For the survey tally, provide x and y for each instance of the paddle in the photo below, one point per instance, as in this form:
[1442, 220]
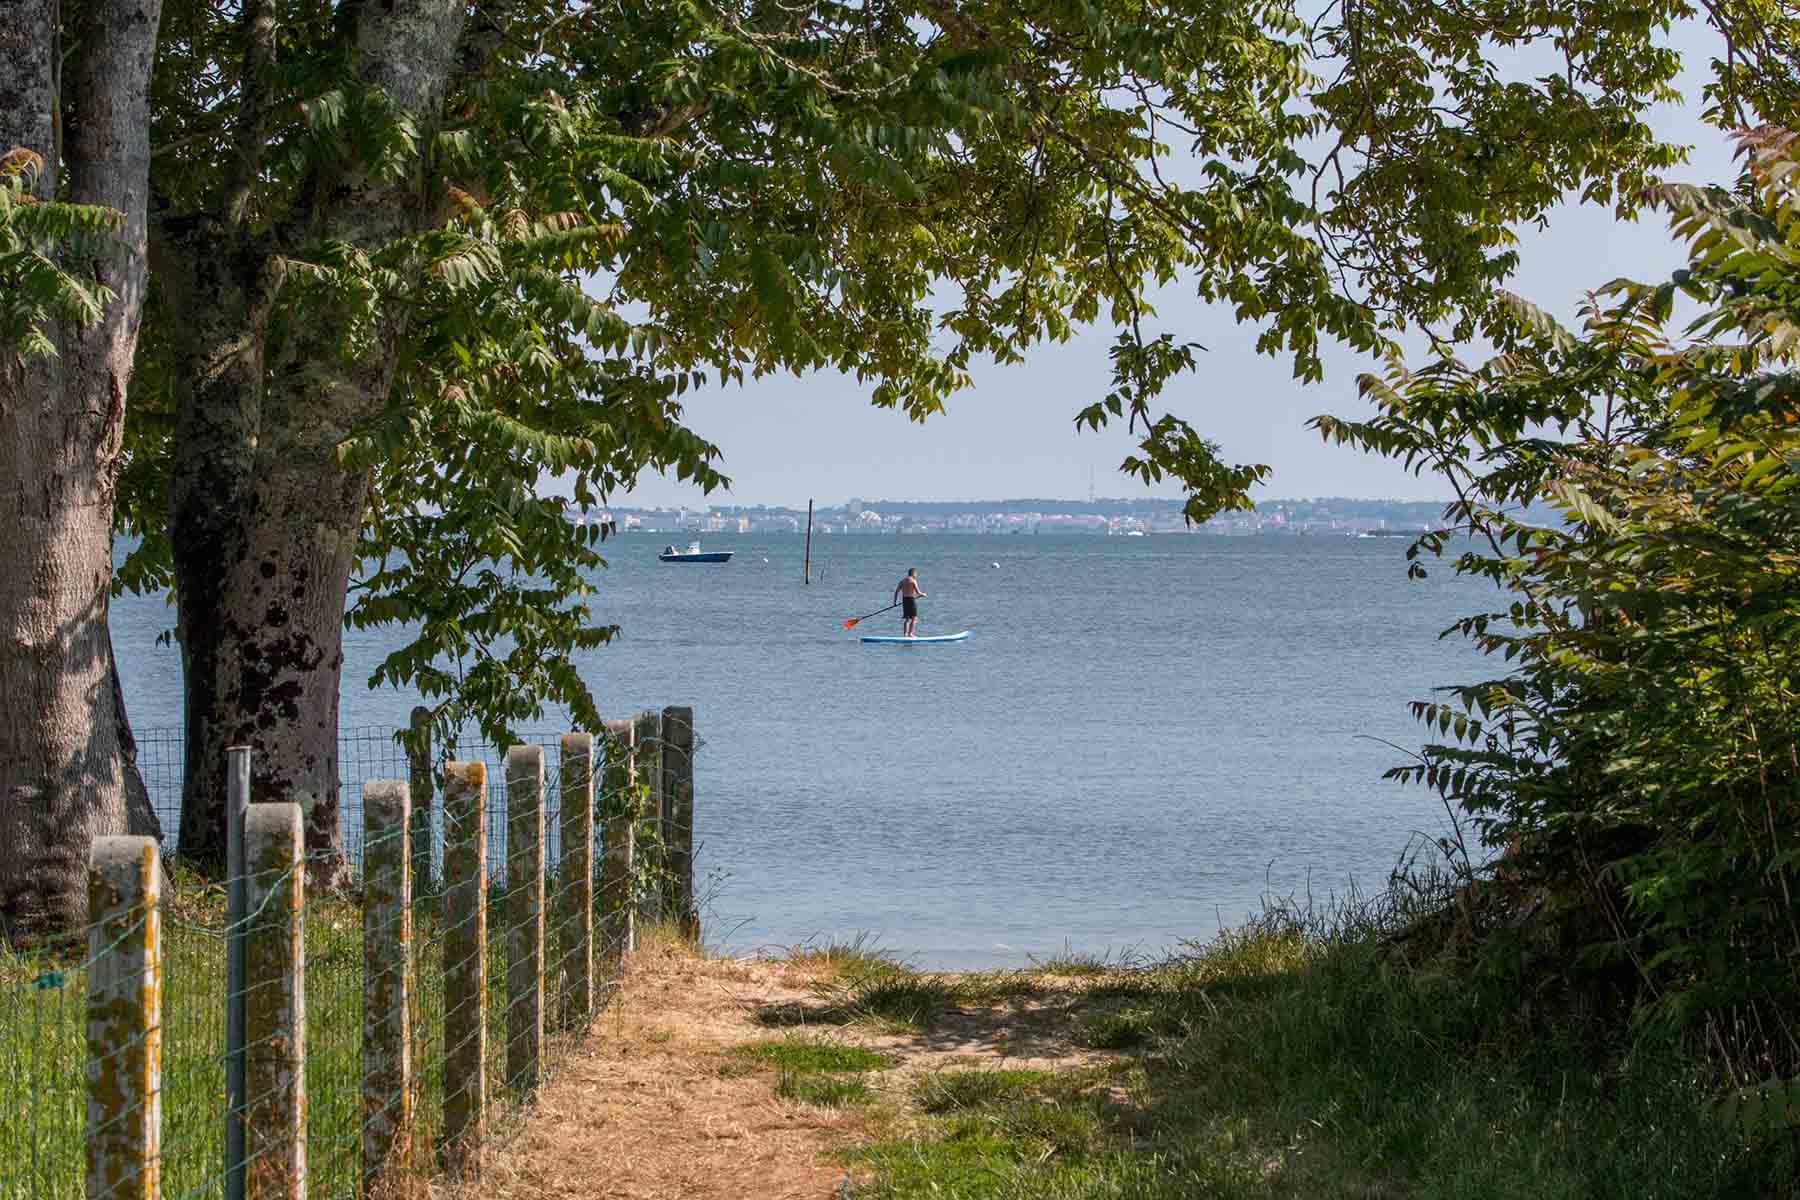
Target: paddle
[851, 623]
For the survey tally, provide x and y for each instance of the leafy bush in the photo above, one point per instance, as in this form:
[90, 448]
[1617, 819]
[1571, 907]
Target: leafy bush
[1636, 769]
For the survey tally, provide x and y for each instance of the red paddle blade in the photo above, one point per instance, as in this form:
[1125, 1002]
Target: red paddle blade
[851, 623]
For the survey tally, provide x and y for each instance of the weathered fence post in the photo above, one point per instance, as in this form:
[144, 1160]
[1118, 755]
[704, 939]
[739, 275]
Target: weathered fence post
[124, 1020]
[678, 815]
[651, 850]
[465, 966]
[387, 1086]
[524, 917]
[575, 882]
[618, 933]
[418, 768]
[275, 1014]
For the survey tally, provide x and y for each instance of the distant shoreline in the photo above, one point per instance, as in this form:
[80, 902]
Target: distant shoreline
[1329, 515]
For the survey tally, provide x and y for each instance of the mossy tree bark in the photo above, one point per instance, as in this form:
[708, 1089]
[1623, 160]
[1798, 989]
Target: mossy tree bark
[73, 109]
[264, 518]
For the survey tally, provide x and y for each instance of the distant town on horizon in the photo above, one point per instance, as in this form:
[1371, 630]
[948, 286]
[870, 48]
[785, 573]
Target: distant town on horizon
[1328, 514]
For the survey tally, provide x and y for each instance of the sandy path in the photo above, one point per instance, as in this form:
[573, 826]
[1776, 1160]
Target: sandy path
[651, 1108]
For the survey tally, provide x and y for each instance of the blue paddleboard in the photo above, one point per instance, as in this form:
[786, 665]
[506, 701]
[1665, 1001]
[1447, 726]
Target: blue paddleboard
[883, 640]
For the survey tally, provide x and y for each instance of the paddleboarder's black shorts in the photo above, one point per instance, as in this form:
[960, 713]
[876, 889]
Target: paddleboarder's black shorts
[909, 606]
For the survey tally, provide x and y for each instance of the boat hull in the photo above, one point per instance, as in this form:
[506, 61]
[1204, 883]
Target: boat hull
[710, 556]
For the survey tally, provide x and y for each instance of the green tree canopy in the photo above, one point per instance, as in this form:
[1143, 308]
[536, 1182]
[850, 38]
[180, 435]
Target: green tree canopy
[411, 258]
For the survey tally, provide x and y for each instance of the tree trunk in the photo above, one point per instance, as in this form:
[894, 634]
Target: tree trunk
[217, 283]
[264, 523]
[65, 753]
[263, 517]
[266, 671]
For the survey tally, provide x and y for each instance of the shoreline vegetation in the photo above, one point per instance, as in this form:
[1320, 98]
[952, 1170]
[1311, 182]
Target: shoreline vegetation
[1320, 1050]
[1301, 1055]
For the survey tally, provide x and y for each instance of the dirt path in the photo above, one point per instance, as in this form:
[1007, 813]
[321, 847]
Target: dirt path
[655, 1107]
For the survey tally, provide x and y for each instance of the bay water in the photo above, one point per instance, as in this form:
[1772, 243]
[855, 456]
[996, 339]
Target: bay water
[1142, 737]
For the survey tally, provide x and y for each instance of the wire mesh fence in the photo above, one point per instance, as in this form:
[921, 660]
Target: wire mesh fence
[530, 900]
[43, 1042]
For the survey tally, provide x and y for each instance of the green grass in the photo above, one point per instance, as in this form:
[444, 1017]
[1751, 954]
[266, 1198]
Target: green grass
[43, 1050]
[814, 1071]
[1078, 964]
[858, 955]
[901, 1003]
[804, 1055]
[892, 998]
[1115, 1029]
[1297, 1058]
[826, 1091]
[949, 1091]
[999, 987]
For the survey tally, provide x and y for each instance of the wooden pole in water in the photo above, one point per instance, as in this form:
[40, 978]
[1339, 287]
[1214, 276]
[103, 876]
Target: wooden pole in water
[807, 577]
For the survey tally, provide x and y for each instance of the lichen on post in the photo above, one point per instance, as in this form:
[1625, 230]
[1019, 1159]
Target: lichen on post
[678, 815]
[524, 917]
[650, 849]
[275, 1010]
[618, 813]
[124, 1020]
[575, 882]
[387, 1085]
[465, 966]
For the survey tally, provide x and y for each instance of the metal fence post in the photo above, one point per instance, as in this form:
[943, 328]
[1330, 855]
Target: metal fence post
[275, 1021]
[575, 882]
[418, 765]
[237, 805]
[465, 966]
[678, 815]
[619, 805]
[387, 1091]
[651, 850]
[124, 1020]
[524, 917]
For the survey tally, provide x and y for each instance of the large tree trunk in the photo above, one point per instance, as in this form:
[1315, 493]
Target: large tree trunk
[64, 749]
[262, 609]
[264, 519]
[217, 283]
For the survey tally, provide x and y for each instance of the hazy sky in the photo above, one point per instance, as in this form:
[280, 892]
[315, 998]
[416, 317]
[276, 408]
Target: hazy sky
[1012, 434]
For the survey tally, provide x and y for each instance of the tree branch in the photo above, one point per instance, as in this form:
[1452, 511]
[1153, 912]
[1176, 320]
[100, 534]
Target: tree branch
[254, 103]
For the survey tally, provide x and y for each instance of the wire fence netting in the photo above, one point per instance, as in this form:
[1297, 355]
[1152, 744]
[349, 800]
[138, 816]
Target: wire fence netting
[536, 926]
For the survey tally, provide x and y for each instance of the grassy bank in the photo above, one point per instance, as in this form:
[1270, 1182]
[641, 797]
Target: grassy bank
[1295, 1058]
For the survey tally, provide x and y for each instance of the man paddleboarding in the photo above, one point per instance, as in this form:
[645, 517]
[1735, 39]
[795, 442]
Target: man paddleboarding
[906, 595]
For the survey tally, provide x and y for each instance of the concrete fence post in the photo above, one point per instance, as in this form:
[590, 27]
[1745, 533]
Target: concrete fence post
[618, 930]
[678, 815]
[651, 851]
[418, 767]
[275, 1013]
[575, 882]
[524, 917]
[465, 966]
[124, 1020]
[387, 1085]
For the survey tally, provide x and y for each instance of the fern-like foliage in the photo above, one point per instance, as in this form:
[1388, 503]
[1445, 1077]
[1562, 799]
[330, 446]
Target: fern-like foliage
[39, 241]
[1638, 758]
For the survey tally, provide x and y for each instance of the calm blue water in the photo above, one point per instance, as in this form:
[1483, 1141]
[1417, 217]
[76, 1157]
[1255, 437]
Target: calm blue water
[1143, 736]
